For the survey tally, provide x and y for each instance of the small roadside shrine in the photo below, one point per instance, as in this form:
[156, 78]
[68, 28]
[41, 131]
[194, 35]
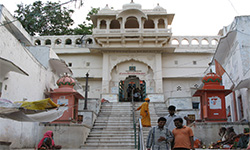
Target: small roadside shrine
[212, 99]
[66, 95]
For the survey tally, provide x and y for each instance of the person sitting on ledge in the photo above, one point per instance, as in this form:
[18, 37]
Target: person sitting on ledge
[47, 142]
[244, 139]
[227, 138]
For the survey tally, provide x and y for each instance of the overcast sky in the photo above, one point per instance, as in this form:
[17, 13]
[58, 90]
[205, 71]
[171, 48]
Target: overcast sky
[192, 17]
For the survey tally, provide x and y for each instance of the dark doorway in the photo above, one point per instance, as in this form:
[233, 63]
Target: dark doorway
[132, 87]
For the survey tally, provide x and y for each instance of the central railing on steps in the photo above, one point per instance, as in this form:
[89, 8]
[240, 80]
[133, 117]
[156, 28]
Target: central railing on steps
[141, 145]
[133, 113]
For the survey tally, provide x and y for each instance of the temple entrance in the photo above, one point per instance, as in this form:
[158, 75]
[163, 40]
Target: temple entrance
[132, 87]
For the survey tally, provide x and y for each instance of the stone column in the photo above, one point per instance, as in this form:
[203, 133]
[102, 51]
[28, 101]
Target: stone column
[105, 73]
[158, 74]
[108, 25]
[166, 23]
[98, 24]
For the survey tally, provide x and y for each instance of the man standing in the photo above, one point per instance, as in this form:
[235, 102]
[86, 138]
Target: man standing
[183, 136]
[159, 136]
[170, 118]
[146, 121]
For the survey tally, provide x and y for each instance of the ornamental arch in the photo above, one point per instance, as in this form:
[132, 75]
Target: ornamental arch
[132, 22]
[131, 72]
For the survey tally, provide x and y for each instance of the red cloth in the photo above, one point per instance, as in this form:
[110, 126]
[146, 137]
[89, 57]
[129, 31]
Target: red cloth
[48, 134]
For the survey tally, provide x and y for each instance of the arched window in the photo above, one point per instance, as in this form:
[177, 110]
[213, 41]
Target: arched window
[103, 24]
[37, 42]
[78, 41]
[58, 41]
[68, 42]
[48, 42]
[194, 42]
[175, 42]
[214, 42]
[204, 42]
[131, 22]
[161, 23]
[89, 41]
[184, 42]
[149, 24]
[114, 24]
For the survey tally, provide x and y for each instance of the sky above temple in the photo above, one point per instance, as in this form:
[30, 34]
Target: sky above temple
[192, 17]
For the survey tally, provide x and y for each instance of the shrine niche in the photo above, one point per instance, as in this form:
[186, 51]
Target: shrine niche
[130, 87]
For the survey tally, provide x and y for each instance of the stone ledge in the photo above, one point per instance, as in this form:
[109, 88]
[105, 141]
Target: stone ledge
[5, 143]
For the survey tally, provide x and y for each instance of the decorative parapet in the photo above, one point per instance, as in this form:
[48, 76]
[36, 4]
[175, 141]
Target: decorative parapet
[65, 41]
[141, 31]
[195, 41]
[87, 41]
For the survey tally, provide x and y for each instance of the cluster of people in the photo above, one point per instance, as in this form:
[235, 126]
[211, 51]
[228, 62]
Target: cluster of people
[136, 93]
[170, 131]
[229, 139]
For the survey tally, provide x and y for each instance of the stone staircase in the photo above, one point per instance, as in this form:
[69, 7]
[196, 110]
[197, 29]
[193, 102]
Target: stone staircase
[113, 128]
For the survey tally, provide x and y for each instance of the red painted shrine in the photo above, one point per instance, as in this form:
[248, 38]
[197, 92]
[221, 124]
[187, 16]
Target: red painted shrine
[66, 94]
[212, 99]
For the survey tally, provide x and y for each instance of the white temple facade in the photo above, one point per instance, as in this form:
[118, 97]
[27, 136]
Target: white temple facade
[136, 46]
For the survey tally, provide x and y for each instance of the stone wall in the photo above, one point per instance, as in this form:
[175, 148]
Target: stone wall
[68, 136]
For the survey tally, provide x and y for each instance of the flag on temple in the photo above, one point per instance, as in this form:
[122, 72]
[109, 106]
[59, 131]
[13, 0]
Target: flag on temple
[218, 68]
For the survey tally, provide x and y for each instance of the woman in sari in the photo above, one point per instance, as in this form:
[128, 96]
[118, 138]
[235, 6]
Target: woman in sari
[47, 142]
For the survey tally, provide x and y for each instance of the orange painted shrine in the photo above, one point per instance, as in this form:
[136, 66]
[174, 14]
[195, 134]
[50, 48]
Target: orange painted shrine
[66, 94]
[212, 99]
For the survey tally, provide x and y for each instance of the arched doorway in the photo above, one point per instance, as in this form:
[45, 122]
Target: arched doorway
[132, 87]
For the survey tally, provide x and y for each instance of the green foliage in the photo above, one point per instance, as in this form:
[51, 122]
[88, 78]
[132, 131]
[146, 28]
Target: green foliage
[45, 19]
[84, 29]
[92, 12]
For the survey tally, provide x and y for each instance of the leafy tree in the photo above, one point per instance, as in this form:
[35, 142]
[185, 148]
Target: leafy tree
[84, 28]
[45, 19]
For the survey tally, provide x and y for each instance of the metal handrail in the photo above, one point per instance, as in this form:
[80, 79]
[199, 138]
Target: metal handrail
[133, 112]
[141, 145]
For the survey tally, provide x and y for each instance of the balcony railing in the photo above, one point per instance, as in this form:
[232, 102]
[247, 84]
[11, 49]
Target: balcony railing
[118, 31]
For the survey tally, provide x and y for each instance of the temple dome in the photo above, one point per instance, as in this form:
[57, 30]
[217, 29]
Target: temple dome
[66, 81]
[159, 8]
[131, 5]
[211, 78]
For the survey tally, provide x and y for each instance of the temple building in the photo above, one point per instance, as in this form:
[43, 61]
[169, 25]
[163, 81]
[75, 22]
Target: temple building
[136, 47]
[132, 50]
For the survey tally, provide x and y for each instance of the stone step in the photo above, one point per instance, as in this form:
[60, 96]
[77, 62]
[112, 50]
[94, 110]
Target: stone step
[114, 144]
[96, 136]
[114, 124]
[114, 128]
[107, 121]
[116, 135]
[105, 141]
[108, 147]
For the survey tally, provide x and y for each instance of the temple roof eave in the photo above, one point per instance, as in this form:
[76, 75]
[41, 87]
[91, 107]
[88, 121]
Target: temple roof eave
[200, 91]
